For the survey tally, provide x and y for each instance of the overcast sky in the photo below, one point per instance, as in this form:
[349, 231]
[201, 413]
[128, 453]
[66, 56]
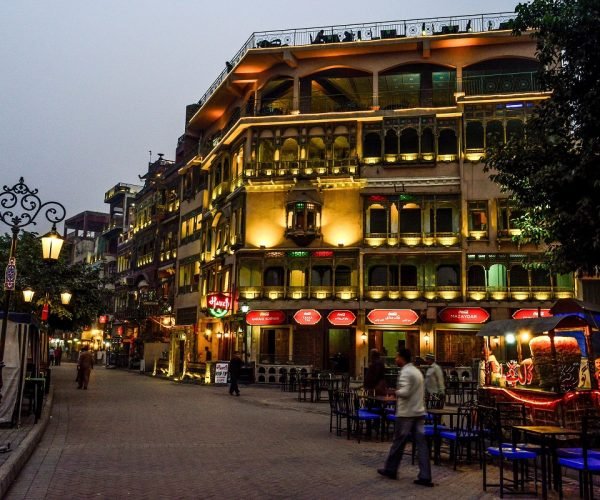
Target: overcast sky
[88, 88]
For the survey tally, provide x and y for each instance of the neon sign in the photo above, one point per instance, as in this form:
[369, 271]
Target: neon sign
[218, 304]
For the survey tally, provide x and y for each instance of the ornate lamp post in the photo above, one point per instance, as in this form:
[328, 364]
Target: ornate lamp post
[244, 308]
[19, 207]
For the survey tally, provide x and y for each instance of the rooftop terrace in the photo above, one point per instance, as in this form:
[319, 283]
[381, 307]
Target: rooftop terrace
[364, 32]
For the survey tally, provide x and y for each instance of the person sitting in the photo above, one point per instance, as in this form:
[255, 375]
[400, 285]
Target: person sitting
[375, 376]
[319, 38]
[348, 36]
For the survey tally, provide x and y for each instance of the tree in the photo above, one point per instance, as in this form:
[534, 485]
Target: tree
[553, 172]
[84, 281]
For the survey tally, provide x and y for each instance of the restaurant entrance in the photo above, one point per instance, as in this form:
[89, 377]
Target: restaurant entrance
[274, 345]
[340, 350]
[459, 347]
[388, 341]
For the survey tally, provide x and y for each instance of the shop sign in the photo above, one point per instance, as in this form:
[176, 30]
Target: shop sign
[531, 313]
[221, 370]
[393, 317]
[265, 318]
[341, 318]
[307, 317]
[218, 304]
[465, 315]
[10, 275]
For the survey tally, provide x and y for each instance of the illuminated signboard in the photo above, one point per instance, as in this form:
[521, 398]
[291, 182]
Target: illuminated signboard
[218, 304]
[464, 315]
[341, 318]
[307, 317]
[531, 313]
[393, 317]
[265, 318]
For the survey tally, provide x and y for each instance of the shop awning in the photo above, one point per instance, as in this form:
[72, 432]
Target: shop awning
[533, 325]
[566, 306]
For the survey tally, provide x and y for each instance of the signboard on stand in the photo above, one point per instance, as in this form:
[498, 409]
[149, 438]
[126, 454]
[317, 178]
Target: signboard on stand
[221, 370]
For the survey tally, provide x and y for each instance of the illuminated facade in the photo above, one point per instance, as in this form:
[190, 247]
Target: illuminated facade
[337, 189]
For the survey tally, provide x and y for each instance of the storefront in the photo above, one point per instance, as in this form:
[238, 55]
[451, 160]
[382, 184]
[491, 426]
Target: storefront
[456, 342]
[389, 330]
[546, 362]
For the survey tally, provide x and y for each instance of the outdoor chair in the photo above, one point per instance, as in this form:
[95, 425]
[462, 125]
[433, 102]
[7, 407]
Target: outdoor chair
[335, 411]
[492, 441]
[588, 463]
[464, 436]
[358, 415]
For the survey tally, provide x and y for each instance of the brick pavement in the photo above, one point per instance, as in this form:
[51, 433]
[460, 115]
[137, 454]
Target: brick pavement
[131, 436]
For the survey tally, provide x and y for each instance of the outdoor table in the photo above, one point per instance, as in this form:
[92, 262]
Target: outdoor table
[546, 434]
[314, 381]
[437, 414]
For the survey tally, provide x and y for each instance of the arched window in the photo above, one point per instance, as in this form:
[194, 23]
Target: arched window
[494, 134]
[341, 148]
[427, 141]
[321, 276]
[447, 275]
[377, 221]
[497, 276]
[289, 150]
[519, 276]
[273, 276]
[343, 276]
[266, 151]
[391, 143]
[372, 145]
[409, 141]
[447, 142]
[217, 174]
[378, 276]
[410, 218]
[226, 170]
[408, 275]
[316, 148]
[474, 135]
[476, 276]
[540, 277]
[514, 128]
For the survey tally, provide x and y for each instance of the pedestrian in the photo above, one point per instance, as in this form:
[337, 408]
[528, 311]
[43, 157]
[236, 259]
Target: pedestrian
[434, 383]
[235, 366]
[410, 421]
[57, 355]
[208, 353]
[51, 356]
[85, 364]
[375, 376]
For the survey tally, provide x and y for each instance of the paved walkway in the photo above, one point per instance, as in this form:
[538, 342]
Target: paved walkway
[131, 436]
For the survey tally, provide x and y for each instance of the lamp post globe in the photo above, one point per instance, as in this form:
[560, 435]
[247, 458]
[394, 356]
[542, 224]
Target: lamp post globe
[65, 297]
[52, 244]
[28, 294]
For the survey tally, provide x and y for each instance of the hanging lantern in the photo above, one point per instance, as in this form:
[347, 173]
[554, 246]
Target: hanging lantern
[45, 312]
[51, 245]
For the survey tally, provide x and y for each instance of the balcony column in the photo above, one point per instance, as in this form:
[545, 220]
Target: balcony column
[375, 105]
[296, 96]
[459, 85]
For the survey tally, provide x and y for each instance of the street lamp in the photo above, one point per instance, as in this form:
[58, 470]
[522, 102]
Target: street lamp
[19, 207]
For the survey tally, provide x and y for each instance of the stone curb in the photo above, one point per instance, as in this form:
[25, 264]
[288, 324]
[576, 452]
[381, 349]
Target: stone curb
[20, 455]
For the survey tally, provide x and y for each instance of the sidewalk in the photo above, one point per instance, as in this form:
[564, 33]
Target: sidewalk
[23, 441]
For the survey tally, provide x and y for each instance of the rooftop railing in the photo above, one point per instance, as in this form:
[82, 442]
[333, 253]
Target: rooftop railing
[364, 32]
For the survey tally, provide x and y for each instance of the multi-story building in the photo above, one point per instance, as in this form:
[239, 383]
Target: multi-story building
[345, 199]
[146, 257]
[82, 231]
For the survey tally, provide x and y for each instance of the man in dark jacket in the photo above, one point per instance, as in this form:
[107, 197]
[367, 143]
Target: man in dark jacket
[85, 363]
[235, 366]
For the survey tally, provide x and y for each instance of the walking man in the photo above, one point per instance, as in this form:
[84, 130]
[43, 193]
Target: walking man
[85, 363]
[235, 366]
[410, 419]
[434, 383]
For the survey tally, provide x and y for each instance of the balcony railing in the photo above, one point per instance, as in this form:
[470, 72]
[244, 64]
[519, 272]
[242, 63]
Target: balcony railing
[444, 239]
[319, 292]
[365, 32]
[503, 83]
[419, 98]
[335, 103]
[310, 168]
[519, 293]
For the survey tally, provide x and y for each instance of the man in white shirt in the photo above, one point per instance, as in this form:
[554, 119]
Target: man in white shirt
[434, 383]
[410, 419]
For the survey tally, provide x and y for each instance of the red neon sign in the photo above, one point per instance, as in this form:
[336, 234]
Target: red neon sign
[401, 317]
[464, 315]
[265, 318]
[307, 317]
[341, 318]
[531, 313]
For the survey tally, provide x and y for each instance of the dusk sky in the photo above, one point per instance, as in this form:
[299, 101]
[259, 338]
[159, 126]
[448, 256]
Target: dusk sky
[87, 89]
